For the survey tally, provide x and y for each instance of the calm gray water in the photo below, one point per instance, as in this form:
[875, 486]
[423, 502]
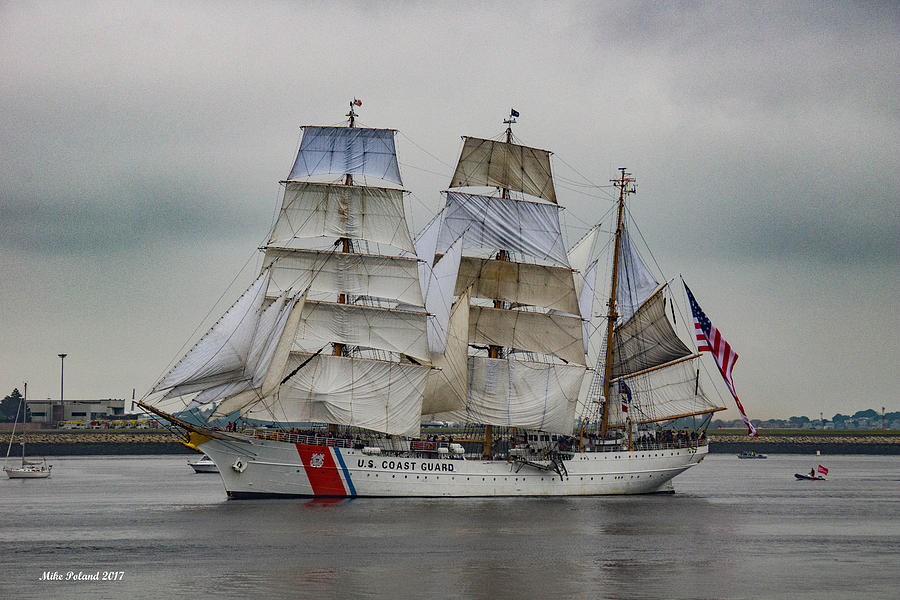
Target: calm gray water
[734, 529]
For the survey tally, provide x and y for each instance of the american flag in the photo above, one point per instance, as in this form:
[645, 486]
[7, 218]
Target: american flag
[710, 339]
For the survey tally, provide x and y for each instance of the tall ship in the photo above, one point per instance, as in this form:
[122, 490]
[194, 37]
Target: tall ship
[554, 371]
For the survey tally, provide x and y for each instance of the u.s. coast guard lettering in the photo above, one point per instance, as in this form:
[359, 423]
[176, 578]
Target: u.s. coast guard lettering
[405, 465]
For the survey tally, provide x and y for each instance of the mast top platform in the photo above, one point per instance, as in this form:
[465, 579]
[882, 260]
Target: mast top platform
[626, 182]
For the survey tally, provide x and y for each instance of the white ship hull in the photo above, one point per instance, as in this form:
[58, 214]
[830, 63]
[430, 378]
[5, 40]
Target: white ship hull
[254, 467]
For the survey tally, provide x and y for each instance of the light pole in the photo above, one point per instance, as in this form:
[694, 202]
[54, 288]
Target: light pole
[62, 407]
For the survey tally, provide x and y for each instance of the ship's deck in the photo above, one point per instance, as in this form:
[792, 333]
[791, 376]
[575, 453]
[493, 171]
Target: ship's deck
[426, 447]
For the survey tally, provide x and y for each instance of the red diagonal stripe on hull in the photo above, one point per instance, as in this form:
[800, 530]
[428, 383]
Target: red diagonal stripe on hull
[325, 480]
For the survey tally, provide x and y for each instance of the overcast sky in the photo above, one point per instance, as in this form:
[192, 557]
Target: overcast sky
[141, 145]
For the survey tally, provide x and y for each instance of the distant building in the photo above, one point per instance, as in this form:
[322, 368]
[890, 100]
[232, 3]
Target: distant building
[50, 412]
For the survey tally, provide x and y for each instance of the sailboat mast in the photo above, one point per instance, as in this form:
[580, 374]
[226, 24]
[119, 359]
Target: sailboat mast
[345, 242]
[24, 420]
[623, 183]
[494, 351]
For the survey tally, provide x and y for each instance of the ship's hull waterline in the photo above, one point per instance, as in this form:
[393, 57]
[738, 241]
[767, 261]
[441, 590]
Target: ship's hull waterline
[257, 468]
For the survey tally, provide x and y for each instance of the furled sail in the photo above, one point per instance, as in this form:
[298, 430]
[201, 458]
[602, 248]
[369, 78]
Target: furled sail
[504, 165]
[527, 227]
[372, 394]
[311, 210]
[646, 340]
[347, 151]
[334, 272]
[520, 283]
[517, 393]
[447, 385]
[545, 333]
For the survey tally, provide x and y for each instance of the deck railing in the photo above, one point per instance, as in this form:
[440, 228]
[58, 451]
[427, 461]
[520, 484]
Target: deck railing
[389, 444]
[299, 438]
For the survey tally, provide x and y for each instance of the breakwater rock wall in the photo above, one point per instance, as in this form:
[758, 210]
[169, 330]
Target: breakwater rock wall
[57, 443]
[806, 444]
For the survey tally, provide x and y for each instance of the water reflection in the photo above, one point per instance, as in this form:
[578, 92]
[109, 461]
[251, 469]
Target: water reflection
[735, 529]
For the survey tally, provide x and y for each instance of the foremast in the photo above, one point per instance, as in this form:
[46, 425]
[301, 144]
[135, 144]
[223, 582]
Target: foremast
[317, 290]
[376, 326]
[625, 184]
[338, 348]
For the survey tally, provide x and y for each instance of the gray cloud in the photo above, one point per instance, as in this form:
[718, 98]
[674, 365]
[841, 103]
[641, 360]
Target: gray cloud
[141, 145]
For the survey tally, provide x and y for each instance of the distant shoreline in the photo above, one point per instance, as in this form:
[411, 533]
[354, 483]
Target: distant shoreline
[143, 442]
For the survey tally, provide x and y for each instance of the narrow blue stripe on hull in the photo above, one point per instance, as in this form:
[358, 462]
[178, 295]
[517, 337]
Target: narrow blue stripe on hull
[337, 452]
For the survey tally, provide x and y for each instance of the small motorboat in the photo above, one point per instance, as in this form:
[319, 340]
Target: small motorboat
[751, 454]
[204, 465]
[815, 474]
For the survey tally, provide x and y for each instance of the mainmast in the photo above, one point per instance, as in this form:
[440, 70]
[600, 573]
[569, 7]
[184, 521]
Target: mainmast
[625, 183]
[531, 391]
[494, 351]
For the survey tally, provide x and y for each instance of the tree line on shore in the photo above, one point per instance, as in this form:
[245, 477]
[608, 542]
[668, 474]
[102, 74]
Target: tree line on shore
[861, 419]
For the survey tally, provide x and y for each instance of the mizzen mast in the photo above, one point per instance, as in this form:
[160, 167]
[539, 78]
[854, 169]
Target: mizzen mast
[626, 186]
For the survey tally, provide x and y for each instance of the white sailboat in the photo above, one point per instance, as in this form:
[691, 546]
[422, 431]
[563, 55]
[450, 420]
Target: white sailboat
[481, 320]
[29, 468]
